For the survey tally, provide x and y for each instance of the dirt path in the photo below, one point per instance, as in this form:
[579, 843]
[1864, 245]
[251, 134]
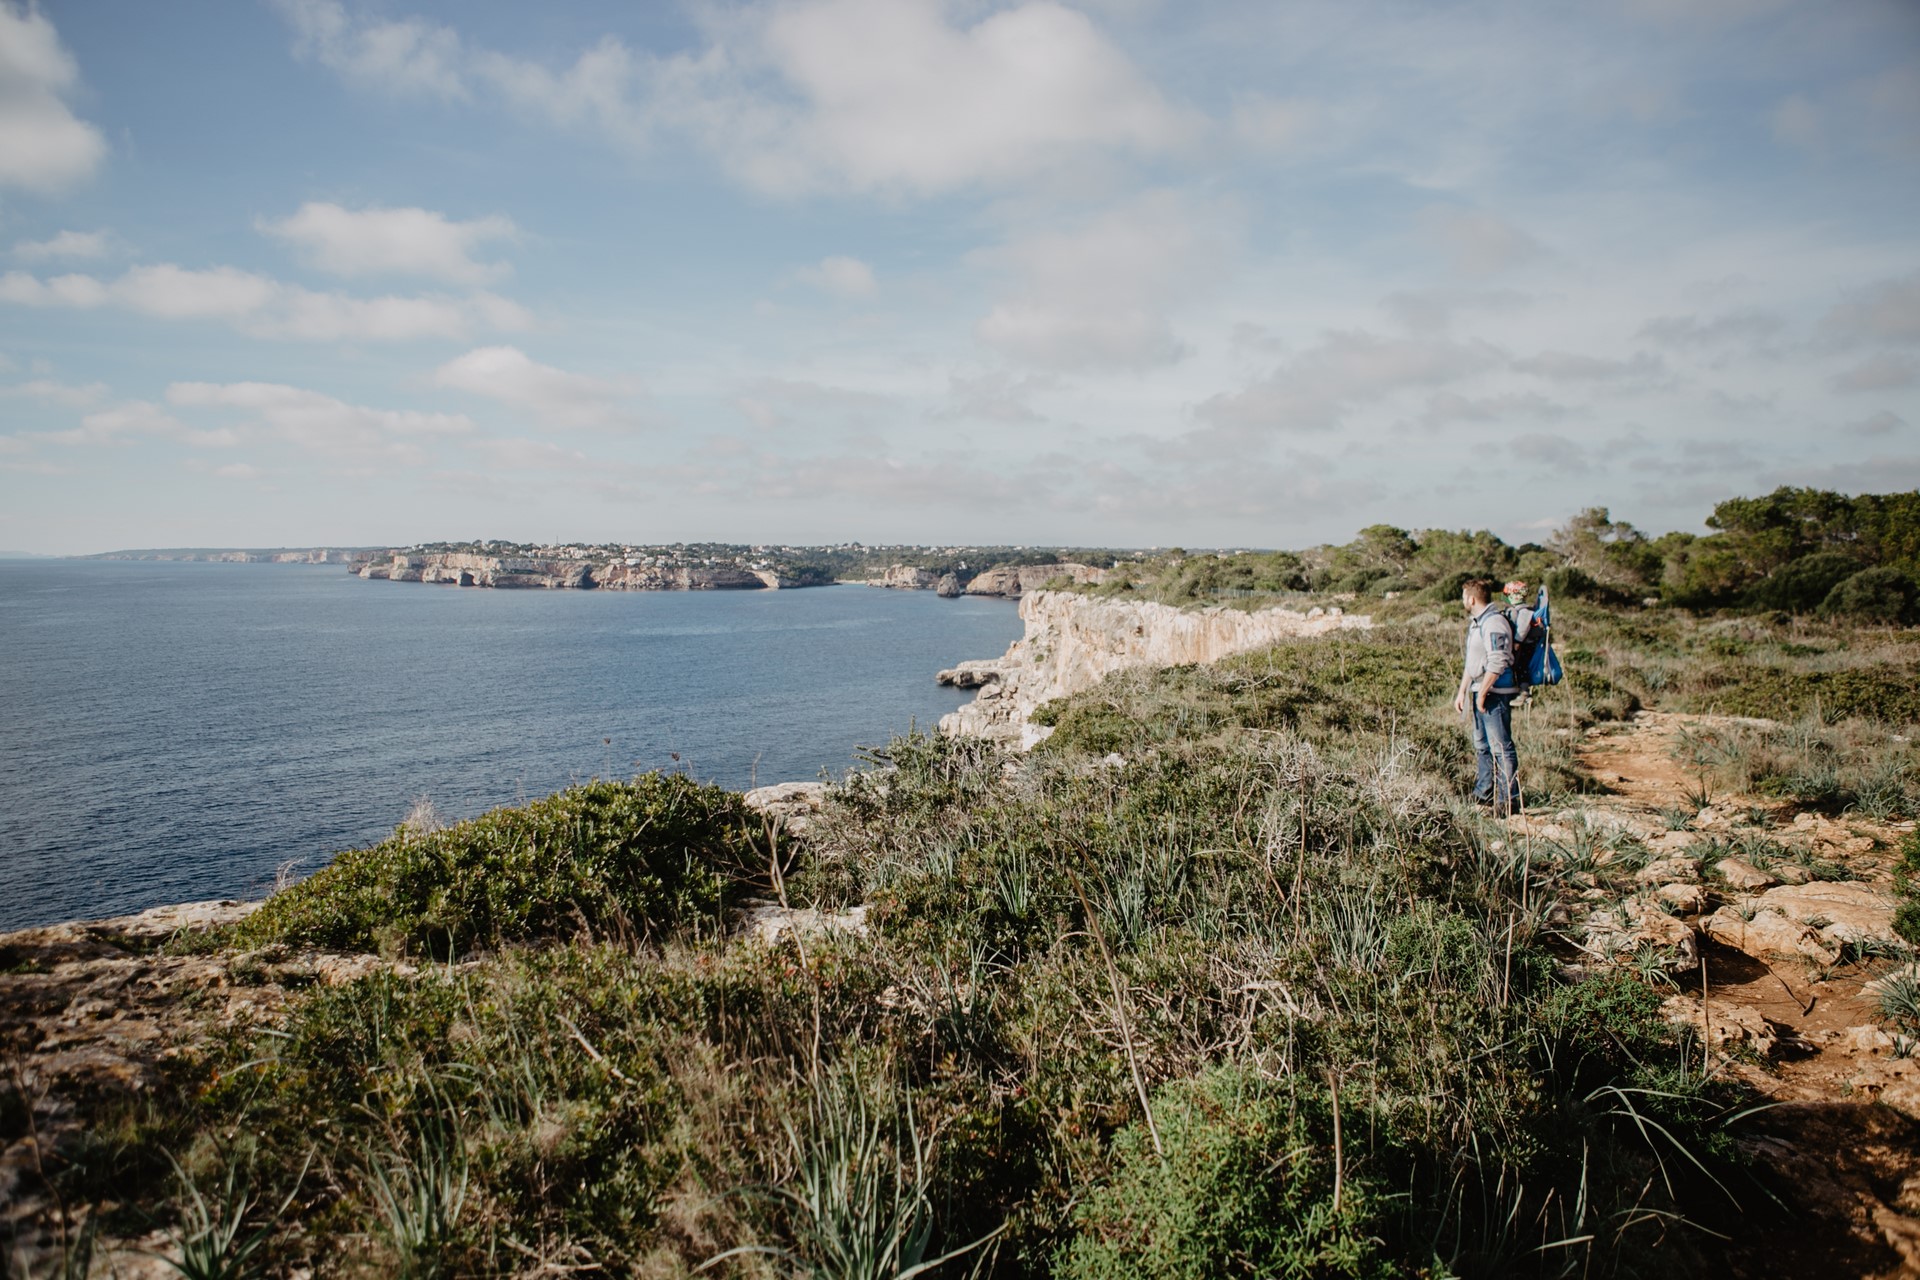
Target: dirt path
[1840, 1152]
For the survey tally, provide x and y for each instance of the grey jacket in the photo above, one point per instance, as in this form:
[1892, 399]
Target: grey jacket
[1489, 648]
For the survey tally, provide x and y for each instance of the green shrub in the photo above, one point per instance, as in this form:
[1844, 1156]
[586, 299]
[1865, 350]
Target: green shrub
[1880, 595]
[1799, 586]
[643, 858]
[1246, 1188]
[1906, 883]
[1887, 692]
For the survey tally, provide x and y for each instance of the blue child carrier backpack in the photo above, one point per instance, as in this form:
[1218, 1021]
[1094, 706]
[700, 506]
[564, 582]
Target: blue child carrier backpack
[1533, 653]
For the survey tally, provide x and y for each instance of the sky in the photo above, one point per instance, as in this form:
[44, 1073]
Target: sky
[1121, 272]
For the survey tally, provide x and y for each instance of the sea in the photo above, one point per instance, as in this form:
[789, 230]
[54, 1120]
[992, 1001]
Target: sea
[171, 732]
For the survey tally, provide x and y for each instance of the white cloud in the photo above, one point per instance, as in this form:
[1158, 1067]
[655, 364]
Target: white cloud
[417, 242]
[67, 244]
[796, 97]
[841, 276]
[60, 393]
[949, 106]
[121, 423]
[1569, 366]
[411, 56]
[1541, 449]
[1796, 123]
[1477, 242]
[43, 145]
[552, 395]
[320, 423]
[238, 471]
[1885, 312]
[1316, 390]
[1881, 371]
[518, 453]
[1445, 407]
[1102, 294]
[1882, 423]
[265, 307]
[994, 397]
[1751, 327]
[1272, 124]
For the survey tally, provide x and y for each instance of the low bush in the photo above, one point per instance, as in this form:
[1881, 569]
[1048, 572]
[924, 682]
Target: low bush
[1906, 883]
[1878, 595]
[1238, 1180]
[644, 858]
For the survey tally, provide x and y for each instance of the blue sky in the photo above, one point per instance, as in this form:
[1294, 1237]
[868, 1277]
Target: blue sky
[1126, 272]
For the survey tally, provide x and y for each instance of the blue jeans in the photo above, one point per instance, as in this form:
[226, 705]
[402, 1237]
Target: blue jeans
[1494, 758]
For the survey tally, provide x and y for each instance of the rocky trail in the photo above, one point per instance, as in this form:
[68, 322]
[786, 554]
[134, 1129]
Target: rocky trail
[1773, 928]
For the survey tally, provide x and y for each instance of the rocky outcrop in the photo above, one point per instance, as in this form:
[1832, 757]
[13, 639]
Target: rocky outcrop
[1072, 642]
[1016, 580]
[949, 588]
[1811, 921]
[906, 577]
[467, 569]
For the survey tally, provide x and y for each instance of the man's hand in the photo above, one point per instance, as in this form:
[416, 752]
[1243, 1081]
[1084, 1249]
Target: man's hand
[1460, 702]
[1480, 702]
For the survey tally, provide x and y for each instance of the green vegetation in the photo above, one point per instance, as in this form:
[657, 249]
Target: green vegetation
[1223, 980]
[1906, 883]
[644, 859]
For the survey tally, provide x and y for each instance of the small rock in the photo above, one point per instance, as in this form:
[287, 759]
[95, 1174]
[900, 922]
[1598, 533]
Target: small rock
[1689, 898]
[1868, 1040]
[1667, 870]
[1725, 1025]
[1793, 873]
[768, 922]
[1903, 1096]
[1742, 874]
[792, 804]
[1770, 935]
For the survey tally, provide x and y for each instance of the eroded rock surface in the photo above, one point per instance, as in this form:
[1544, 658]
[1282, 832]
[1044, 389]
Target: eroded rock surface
[1074, 641]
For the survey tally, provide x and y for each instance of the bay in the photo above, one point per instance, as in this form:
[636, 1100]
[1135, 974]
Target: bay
[178, 731]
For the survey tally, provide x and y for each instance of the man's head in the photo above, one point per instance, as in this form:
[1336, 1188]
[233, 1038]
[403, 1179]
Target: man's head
[1515, 591]
[1475, 593]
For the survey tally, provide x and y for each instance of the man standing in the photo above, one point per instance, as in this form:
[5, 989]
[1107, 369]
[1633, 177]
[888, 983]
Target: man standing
[1486, 693]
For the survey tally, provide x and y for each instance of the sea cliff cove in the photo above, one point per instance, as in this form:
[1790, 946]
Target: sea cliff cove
[959, 640]
[1186, 908]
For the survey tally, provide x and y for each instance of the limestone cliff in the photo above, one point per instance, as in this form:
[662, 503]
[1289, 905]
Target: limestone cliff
[905, 577]
[1016, 580]
[468, 569]
[1073, 641]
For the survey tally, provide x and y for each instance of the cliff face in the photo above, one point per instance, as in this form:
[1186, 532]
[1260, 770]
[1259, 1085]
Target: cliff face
[1016, 580]
[468, 570]
[1074, 641]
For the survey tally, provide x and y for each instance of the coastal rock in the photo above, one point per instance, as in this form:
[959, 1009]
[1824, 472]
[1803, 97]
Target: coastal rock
[1074, 641]
[948, 588]
[970, 674]
[1742, 874]
[769, 922]
[1016, 580]
[468, 569]
[906, 577]
[792, 804]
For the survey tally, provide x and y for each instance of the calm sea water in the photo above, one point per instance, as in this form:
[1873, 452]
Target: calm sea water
[170, 732]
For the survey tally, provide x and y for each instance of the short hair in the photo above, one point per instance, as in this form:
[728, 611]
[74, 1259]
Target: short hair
[1477, 590]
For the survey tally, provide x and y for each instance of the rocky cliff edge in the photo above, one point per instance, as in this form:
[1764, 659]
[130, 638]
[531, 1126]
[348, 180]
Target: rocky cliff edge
[1074, 641]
